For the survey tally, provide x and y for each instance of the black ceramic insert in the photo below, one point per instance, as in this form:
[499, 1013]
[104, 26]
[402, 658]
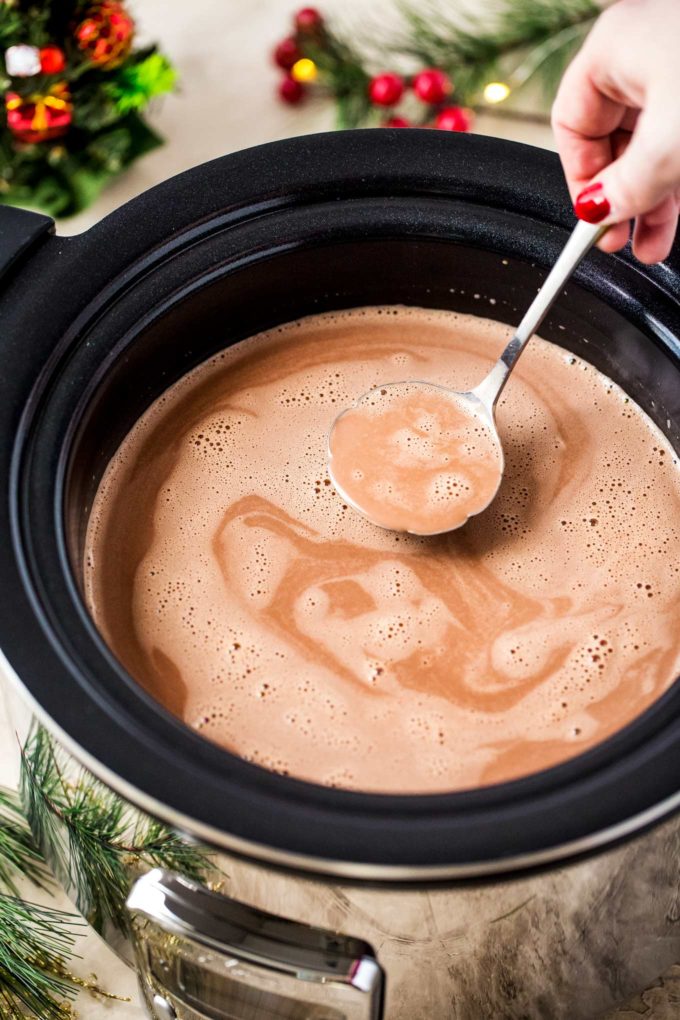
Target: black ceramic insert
[93, 328]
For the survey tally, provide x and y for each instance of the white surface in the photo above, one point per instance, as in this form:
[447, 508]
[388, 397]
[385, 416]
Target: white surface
[226, 102]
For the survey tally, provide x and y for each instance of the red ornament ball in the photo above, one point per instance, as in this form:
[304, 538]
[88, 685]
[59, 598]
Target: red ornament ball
[385, 89]
[308, 20]
[432, 86]
[287, 53]
[399, 122]
[105, 33]
[52, 59]
[454, 118]
[291, 91]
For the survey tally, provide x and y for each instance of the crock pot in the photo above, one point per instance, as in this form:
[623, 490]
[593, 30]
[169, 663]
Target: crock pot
[554, 896]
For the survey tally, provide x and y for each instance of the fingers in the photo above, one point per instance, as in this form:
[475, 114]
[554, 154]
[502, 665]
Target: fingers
[655, 231]
[648, 171]
[617, 125]
[617, 237]
[583, 121]
[591, 130]
[639, 170]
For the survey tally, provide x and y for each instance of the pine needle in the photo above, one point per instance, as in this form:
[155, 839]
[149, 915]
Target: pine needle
[18, 853]
[516, 41]
[35, 943]
[95, 842]
[477, 50]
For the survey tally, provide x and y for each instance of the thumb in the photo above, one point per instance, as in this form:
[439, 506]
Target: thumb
[649, 169]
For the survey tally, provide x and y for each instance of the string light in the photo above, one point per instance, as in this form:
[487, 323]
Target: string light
[496, 92]
[304, 70]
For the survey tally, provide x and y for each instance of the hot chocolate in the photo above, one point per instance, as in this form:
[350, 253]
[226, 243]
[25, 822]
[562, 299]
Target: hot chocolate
[234, 584]
[415, 457]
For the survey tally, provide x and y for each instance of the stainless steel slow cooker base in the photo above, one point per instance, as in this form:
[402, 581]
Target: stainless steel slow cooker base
[554, 896]
[568, 943]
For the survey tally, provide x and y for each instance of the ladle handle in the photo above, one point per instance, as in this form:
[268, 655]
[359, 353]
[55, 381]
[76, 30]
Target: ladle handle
[583, 237]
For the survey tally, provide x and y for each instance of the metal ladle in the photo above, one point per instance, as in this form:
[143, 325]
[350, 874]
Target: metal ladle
[482, 400]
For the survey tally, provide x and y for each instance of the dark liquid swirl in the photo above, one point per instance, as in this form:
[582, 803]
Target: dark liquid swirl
[235, 585]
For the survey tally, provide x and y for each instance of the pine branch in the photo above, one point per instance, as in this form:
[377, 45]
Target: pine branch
[549, 59]
[10, 24]
[475, 51]
[340, 65]
[35, 943]
[437, 31]
[18, 853]
[518, 41]
[94, 841]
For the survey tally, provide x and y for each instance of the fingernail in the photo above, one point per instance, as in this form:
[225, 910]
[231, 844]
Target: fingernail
[591, 205]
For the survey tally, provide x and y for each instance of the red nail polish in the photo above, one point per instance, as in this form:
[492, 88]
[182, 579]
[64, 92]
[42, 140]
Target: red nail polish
[591, 205]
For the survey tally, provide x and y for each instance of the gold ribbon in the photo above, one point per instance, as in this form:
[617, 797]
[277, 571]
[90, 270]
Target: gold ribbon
[58, 99]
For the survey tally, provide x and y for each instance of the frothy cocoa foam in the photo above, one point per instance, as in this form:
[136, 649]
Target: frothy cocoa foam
[415, 457]
[234, 584]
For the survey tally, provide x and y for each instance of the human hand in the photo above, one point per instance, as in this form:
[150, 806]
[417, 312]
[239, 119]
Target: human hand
[616, 120]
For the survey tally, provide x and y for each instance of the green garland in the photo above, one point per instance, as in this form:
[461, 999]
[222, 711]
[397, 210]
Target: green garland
[18, 853]
[35, 941]
[93, 840]
[525, 40]
[517, 42]
[96, 845]
[104, 99]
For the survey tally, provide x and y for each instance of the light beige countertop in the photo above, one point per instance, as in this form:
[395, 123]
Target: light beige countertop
[225, 102]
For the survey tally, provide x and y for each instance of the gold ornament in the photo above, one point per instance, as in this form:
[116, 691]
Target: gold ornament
[39, 116]
[496, 92]
[105, 33]
[304, 70]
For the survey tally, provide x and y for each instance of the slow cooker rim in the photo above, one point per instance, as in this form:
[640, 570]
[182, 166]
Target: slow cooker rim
[386, 870]
[341, 869]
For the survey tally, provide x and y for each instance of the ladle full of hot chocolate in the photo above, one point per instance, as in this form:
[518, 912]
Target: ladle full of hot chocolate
[422, 458]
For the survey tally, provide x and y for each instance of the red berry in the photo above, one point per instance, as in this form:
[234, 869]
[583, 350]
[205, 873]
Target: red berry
[432, 86]
[291, 91]
[308, 19]
[52, 60]
[454, 118]
[397, 122]
[286, 53]
[385, 89]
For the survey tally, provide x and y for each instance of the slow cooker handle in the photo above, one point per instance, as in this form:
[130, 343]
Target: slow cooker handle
[20, 231]
[204, 956]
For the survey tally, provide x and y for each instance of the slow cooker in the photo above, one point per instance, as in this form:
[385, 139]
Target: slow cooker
[552, 896]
